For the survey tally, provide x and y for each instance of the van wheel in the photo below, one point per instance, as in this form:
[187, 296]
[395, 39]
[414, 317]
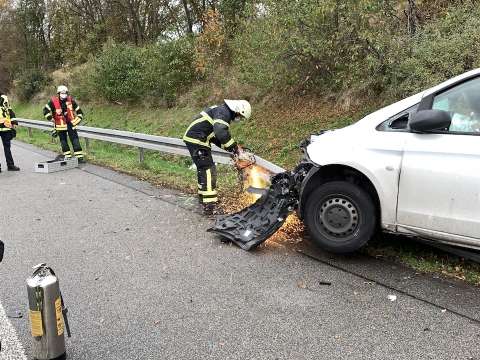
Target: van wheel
[340, 216]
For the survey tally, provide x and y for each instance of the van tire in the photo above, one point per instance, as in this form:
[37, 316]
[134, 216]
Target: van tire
[340, 216]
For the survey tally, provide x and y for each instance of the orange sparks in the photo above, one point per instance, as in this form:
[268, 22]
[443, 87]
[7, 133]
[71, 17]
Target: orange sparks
[257, 177]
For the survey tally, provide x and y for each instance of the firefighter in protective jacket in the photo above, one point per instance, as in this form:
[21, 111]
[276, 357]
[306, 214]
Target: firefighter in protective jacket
[7, 131]
[212, 126]
[65, 114]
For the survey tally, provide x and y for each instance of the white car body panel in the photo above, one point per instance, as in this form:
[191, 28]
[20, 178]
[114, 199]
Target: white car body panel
[440, 184]
[380, 156]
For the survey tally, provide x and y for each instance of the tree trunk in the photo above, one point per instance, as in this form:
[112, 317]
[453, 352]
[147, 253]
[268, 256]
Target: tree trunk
[188, 16]
[412, 17]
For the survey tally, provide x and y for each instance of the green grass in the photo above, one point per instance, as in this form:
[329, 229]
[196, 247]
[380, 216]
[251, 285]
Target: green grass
[423, 258]
[274, 133]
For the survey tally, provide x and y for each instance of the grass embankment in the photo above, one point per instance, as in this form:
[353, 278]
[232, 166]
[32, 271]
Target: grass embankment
[274, 134]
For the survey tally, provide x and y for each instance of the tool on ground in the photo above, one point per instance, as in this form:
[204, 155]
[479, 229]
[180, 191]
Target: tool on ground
[48, 314]
[59, 164]
[256, 223]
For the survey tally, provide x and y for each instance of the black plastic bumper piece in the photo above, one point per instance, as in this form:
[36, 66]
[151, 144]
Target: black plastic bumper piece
[256, 223]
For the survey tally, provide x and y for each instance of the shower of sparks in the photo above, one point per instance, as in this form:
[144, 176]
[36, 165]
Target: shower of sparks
[255, 176]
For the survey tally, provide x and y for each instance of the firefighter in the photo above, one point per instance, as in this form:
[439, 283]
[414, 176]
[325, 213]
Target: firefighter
[7, 131]
[65, 114]
[213, 126]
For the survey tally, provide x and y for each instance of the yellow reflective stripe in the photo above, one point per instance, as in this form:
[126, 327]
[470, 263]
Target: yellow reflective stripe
[221, 122]
[206, 117]
[78, 152]
[78, 108]
[67, 153]
[209, 137]
[48, 115]
[195, 123]
[195, 141]
[48, 107]
[209, 180]
[5, 129]
[228, 144]
[208, 193]
[209, 200]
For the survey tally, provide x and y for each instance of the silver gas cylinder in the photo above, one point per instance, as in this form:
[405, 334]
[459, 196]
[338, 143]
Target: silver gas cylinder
[47, 314]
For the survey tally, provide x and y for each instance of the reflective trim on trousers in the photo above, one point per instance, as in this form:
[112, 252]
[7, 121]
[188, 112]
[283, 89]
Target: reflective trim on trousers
[207, 193]
[209, 200]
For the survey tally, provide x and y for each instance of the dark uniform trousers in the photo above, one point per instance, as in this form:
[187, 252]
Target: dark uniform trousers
[206, 173]
[73, 135]
[7, 137]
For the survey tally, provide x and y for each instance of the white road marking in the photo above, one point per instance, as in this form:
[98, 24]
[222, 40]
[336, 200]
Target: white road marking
[12, 348]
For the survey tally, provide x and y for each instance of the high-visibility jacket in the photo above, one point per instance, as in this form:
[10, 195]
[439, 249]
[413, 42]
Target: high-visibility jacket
[212, 126]
[63, 112]
[6, 114]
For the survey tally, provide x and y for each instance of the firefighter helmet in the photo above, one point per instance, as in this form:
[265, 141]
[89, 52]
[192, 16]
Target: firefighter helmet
[62, 89]
[241, 107]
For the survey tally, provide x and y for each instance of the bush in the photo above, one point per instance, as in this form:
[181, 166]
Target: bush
[310, 46]
[169, 69]
[30, 83]
[160, 71]
[444, 48]
[119, 72]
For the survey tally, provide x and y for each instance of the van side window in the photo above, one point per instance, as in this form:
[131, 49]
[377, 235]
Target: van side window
[463, 104]
[398, 122]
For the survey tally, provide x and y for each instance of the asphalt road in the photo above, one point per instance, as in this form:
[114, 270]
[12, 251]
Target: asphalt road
[143, 280]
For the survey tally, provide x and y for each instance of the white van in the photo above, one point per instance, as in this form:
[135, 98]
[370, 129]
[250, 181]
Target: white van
[411, 168]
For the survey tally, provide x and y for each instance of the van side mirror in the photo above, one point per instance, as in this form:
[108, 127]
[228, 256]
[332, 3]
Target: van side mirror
[429, 120]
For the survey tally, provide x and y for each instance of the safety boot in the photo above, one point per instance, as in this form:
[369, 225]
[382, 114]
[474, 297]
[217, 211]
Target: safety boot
[13, 168]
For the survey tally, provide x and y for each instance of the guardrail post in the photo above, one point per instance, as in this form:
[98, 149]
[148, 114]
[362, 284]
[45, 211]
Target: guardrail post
[141, 155]
[87, 145]
[30, 132]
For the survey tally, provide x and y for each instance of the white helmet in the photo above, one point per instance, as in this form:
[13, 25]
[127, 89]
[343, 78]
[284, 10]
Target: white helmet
[62, 89]
[241, 107]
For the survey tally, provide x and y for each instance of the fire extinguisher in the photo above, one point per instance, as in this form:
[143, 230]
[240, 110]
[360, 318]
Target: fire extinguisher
[48, 314]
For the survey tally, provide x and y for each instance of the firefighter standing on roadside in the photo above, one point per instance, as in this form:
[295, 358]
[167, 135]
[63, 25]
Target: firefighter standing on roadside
[213, 126]
[66, 114]
[7, 131]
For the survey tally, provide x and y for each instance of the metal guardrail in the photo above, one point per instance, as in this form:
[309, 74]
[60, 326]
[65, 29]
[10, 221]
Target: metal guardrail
[144, 141]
